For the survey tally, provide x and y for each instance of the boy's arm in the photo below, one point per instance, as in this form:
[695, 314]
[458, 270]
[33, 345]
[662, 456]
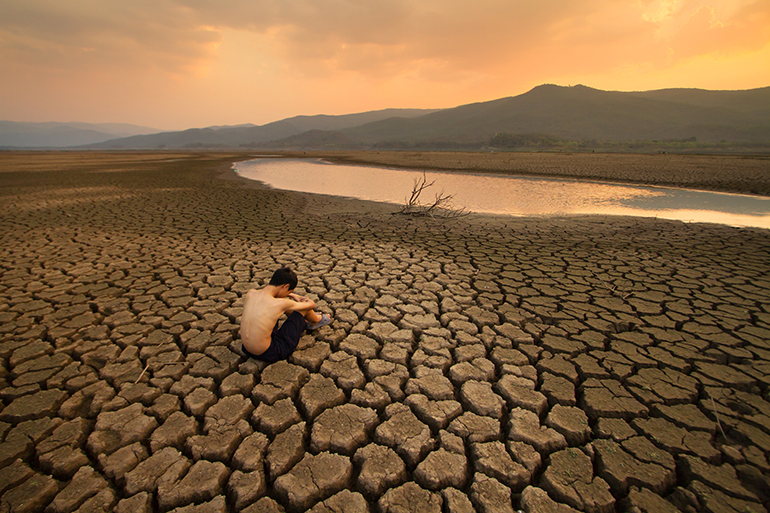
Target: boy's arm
[292, 305]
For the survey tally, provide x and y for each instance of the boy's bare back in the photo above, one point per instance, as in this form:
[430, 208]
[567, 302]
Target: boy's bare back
[261, 311]
[263, 308]
[260, 335]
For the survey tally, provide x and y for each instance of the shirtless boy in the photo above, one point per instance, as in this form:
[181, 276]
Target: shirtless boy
[260, 335]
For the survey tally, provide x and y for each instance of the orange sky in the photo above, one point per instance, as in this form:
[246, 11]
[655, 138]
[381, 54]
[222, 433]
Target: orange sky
[174, 64]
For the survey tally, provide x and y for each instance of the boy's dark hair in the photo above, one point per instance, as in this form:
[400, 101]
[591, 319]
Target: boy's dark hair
[284, 276]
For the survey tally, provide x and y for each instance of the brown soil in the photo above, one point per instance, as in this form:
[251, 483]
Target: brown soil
[602, 363]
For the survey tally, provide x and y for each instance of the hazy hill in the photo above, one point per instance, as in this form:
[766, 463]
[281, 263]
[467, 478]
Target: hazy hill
[582, 113]
[316, 139]
[57, 135]
[548, 114]
[243, 135]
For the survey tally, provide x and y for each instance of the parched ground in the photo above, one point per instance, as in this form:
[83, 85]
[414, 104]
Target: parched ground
[491, 364]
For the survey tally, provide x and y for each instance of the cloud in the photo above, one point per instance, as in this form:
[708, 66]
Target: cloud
[707, 31]
[85, 34]
[263, 59]
[378, 38]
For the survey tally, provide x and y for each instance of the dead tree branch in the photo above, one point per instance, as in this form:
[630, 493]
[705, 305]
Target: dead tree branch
[440, 208]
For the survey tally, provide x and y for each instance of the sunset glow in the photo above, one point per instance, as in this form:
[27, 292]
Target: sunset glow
[175, 64]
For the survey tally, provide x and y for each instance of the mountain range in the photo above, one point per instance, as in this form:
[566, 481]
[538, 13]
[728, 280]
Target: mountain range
[583, 113]
[551, 112]
[61, 135]
[250, 135]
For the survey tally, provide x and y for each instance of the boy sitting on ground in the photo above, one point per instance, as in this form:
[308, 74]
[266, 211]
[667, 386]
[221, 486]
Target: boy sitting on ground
[260, 335]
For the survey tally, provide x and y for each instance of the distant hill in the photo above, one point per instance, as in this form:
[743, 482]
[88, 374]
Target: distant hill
[548, 116]
[582, 113]
[316, 139]
[60, 135]
[249, 135]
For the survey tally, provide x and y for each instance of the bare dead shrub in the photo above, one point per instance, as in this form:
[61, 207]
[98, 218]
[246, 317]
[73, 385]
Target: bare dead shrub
[441, 207]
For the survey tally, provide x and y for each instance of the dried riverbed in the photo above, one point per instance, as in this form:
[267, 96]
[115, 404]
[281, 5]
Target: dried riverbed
[488, 363]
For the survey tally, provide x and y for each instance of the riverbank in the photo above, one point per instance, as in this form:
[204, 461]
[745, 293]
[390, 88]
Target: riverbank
[739, 174]
[476, 363]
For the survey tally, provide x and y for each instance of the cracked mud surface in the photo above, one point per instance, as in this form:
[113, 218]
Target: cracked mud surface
[546, 365]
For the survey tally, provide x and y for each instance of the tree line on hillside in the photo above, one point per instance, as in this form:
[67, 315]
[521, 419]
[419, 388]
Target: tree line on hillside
[547, 142]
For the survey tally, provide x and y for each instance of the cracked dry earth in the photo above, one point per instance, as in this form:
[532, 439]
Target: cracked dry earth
[542, 365]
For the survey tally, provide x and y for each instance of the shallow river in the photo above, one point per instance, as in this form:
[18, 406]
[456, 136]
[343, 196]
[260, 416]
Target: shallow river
[510, 195]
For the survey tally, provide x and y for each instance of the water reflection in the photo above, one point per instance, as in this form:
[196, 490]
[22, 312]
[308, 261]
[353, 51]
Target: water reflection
[517, 196]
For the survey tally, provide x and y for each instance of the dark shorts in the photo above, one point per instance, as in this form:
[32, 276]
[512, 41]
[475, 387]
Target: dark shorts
[283, 340]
